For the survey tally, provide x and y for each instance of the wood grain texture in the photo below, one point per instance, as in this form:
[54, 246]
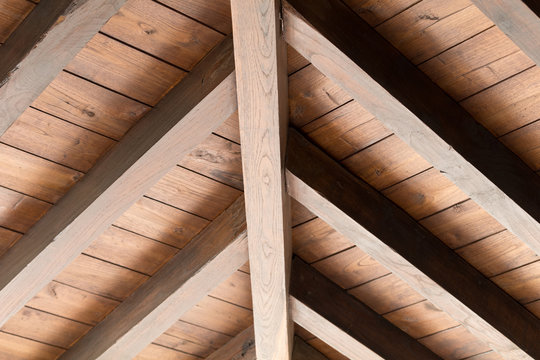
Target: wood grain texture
[12, 13]
[242, 346]
[121, 68]
[216, 13]
[17, 348]
[90, 106]
[396, 241]
[154, 351]
[519, 21]
[454, 344]
[42, 46]
[198, 335]
[57, 140]
[325, 310]
[210, 258]
[261, 77]
[376, 11]
[524, 142]
[182, 345]
[18, 211]
[427, 119]
[153, 146]
[162, 32]
[472, 66]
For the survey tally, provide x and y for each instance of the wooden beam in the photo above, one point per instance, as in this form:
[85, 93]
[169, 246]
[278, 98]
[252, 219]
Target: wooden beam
[337, 318]
[519, 20]
[357, 58]
[243, 347]
[389, 235]
[261, 78]
[43, 44]
[206, 261]
[183, 119]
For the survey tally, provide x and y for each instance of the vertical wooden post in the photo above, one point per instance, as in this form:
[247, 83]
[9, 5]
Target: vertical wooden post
[261, 77]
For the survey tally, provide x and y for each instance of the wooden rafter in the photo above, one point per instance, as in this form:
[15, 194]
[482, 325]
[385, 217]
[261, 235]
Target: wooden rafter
[261, 77]
[337, 318]
[182, 120]
[389, 235]
[348, 51]
[243, 347]
[519, 19]
[46, 41]
[208, 260]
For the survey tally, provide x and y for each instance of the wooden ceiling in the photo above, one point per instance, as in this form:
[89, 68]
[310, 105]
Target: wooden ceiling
[121, 182]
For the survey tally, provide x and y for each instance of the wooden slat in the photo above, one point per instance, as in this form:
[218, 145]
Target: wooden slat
[519, 21]
[12, 13]
[153, 146]
[211, 257]
[216, 13]
[17, 348]
[42, 45]
[420, 113]
[261, 77]
[394, 239]
[324, 309]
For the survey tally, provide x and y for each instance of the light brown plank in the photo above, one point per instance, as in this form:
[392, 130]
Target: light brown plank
[19, 212]
[198, 335]
[242, 346]
[216, 13]
[205, 262]
[236, 290]
[12, 13]
[119, 179]
[261, 78]
[17, 348]
[524, 142]
[42, 46]
[154, 351]
[522, 283]
[454, 344]
[162, 32]
[375, 11]
[182, 345]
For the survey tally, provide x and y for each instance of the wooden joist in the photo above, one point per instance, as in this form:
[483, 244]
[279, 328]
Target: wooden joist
[337, 318]
[45, 42]
[352, 54]
[243, 347]
[389, 235]
[182, 120]
[261, 75]
[208, 260]
[519, 20]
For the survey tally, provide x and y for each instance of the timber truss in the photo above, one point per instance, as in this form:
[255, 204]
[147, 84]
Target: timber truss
[279, 162]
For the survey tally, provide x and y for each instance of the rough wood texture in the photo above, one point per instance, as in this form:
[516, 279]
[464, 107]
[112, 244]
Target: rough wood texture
[345, 323]
[357, 58]
[261, 75]
[42, 46]
[518, 19]
[394, 239]
[150, 149]
[209, 259]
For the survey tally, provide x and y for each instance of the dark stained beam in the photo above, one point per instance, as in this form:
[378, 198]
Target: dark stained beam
[337, 318]
[357, 58]
[389, 235]
[261, 78]
[182, 120]
[519, 20]
[204, 263]
[242, 347]
[42, 45]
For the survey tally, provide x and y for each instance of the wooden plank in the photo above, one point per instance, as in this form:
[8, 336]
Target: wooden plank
[524, 142]
[324, 309]
[261, 77]
[162, 32]
[182, 345]
[154, 351]
[20, 212]
[198, 335]
[17, 348]
[12, 13]
[211, 257]
[420, 113]
[375, 11]
[166, 134]
[303, 351]
[41, 47]
[216, 14]
[394, 239]
[518, 19]
[454, 344]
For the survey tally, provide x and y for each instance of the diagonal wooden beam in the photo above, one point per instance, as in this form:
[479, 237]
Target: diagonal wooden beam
[43, 44]
[519, 20]
[183, 119]
[208, 260]
[242, 347]
[347, 50]
[261, 78]
[389, 235]
[337, 318]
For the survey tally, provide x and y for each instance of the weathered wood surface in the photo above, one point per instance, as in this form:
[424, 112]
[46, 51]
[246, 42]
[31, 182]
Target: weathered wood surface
[327, 311]
[208, 260]
[394, 239]
[261, 75]
[357, 58]
[519, 20]
[42, 46]
[147, 152]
